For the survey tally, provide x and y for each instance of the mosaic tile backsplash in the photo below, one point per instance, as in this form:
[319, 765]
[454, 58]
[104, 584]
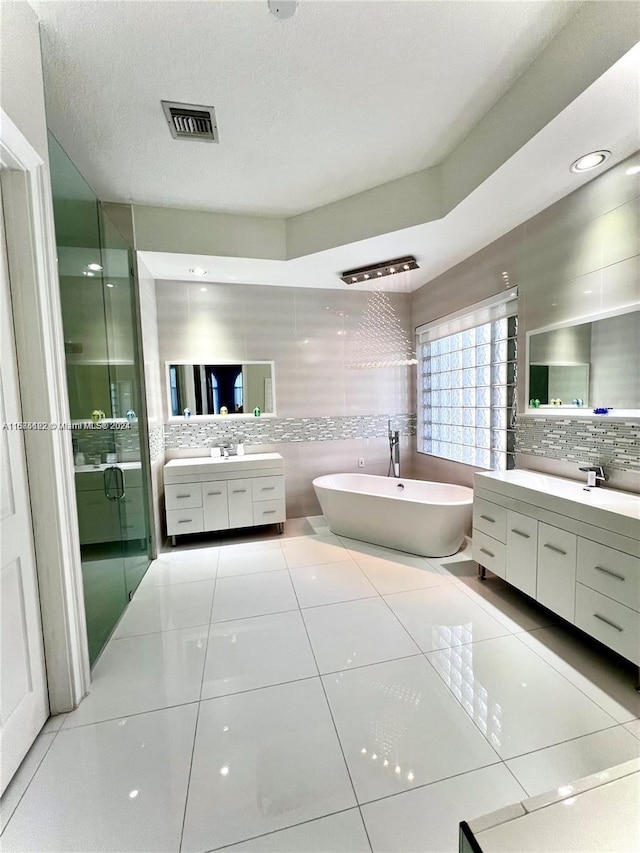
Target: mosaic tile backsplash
[205, 434]
[599, 440]
[156, 442]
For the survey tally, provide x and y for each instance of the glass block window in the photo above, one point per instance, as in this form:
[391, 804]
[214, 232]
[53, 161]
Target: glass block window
[467, 388]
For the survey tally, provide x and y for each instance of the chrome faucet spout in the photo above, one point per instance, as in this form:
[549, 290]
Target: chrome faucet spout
[595, 475]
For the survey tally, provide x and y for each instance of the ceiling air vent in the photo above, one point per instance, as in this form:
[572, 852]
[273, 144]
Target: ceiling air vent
[191, 121]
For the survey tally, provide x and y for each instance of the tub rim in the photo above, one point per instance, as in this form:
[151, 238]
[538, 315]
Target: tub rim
[316, 482]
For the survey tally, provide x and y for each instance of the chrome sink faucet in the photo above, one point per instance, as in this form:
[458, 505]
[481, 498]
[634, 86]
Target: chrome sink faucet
[595, 475]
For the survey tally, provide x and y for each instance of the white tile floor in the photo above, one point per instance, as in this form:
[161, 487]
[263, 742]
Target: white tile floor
[310, 693]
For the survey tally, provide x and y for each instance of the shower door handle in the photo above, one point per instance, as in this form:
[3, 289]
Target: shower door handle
[121, 488]
[114, 483]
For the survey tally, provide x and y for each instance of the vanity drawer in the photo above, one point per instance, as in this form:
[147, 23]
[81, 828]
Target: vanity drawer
[268, 488]
[556, 585]
[180, 497]
[488, 552]
[269, 512]
[615, 625]
[184, 521]
[609, 571]
[490, 518]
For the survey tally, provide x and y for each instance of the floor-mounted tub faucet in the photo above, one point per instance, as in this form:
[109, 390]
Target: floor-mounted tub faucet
[394, 451]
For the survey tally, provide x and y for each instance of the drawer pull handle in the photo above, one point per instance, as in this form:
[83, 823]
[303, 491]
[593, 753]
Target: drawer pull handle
[609, 572]
[268, 511]
[488, 553]
[520, 533]
[238, 491]
[608, 622]
[267, 488]
[555, 549]
[488, 518]
[214, 493]
[185, 521]
[178, 497]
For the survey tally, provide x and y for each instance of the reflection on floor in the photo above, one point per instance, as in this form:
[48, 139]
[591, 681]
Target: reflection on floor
[313, 693]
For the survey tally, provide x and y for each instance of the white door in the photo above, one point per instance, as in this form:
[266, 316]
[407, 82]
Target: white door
[24, 705]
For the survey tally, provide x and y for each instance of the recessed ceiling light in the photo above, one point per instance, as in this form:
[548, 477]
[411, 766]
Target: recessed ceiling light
[203, 290]
[198, 271]
[94, 267]
[632, 170]
[590, 161]
[110, 285]
[88, 273]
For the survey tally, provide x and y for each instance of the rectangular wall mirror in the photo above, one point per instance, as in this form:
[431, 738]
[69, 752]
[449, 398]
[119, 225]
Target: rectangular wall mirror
[221, 388]
[591, 361]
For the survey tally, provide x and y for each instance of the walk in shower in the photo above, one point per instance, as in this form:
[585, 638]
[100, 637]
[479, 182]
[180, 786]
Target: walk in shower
[104, 382]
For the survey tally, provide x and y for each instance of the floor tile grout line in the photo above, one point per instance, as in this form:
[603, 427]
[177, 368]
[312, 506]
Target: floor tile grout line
[517, 781]
[345, 559]
[335, 728]
[559, 625]
[530, 752]
[144, 590]
[486, 605]
[568, 680]
[460, 703]
[33, 776]
[126, 716]
[404, 628]
[283, 829]
[259, 687]
[161, 631]
[506, 761]
[195, 729]
[255, 616]
[429, 784]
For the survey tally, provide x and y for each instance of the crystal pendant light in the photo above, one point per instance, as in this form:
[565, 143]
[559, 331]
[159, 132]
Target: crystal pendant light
[380, 340]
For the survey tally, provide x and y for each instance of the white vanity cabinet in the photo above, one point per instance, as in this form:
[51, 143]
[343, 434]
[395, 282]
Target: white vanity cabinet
[574, 550]
[208, 494]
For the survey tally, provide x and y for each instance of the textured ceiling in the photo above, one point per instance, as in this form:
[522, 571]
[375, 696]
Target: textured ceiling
[342, 97]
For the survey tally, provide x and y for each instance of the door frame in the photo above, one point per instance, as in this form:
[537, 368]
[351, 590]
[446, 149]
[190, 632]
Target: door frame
[37, 318]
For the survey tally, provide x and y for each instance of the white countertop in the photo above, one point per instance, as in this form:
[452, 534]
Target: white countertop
[210, 464]
[89, 469]
[598, 813]
[608, 508]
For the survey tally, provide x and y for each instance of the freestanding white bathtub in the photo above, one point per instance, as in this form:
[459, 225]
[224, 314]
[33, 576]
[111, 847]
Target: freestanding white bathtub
[430, 519]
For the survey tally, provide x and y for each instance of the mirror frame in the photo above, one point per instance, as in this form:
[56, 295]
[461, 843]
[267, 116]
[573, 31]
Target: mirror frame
[564, 411]
[232, 416]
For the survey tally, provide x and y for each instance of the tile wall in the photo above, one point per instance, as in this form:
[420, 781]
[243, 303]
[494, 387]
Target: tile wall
[578, 257]
[328, 416]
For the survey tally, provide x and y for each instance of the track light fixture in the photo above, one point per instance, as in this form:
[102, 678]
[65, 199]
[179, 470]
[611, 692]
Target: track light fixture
[393, 267]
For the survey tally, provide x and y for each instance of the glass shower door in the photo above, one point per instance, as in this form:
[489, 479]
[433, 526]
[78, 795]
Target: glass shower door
[103, 381]
[125, 402]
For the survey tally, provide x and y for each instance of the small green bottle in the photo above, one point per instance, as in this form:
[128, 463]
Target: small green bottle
[256, 411]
